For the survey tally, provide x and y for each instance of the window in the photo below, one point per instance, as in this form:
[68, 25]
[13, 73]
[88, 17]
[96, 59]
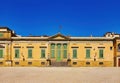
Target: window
[1, 34]
[29, 53]
[100, 63]
[118, 47]
[1, 53]
[52, 50]
[64, 53]
[58, 52]
[16, 53]
[42, 63]
[74, 63]
[74, 53]
[87, 63]
[64, 50]
[29, 63]
[65, 46]
[42, 53]
[52, 46]
[100, 53]
[87, 53]
[52, 53]
[17, 63]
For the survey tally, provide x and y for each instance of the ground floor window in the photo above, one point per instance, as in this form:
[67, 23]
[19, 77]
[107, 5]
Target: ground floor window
[42, 53]
[64, 53]
[29, 53]
[101, 52]
[52, 53]
[1, 53]
[87, 53]
[74, 53]
[16, 53]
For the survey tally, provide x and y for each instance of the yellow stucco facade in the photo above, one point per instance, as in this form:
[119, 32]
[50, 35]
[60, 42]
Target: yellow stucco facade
[59, 50]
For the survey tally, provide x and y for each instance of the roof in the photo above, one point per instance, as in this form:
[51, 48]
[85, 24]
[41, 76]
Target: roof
[62, 37]
[3, 27]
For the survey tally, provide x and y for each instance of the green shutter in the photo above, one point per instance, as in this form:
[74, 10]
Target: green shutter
[1, 53]
[52, 50]
[74, 53]
[64, 50]
[58, 52]
[87, 53]
[65, 46]
[58, 55]
[1, 34]
[58, 46]
[16, 53]
[52, 53]
[101, 53]
[42, 53]
[52, 46]
[64, 53]
[29, 53]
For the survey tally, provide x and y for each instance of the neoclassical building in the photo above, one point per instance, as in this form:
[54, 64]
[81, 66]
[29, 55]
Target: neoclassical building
[59, 50]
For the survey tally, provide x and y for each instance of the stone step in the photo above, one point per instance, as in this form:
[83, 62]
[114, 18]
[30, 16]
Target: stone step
[59, 64]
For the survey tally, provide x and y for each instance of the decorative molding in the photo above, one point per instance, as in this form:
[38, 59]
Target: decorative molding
[74, 47]
[88, 46]
[16, 46]
[30, 47]
[43, 47]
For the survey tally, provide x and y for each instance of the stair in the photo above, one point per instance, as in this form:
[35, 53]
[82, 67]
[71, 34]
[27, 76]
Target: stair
[59, 64]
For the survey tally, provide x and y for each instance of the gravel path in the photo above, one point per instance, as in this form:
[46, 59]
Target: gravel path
[59, 75]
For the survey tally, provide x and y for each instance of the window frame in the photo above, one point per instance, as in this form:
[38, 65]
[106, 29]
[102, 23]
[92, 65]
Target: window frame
[18, 53]
[87, 49]
[74, 56]
[2, 56]
[31, 53]
[65, 51]
[101, 50]
[118, 47]
[52, 50]
[43, 49]
[1, 34]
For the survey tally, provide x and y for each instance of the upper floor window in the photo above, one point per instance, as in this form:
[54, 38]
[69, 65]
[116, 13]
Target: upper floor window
[118, 47]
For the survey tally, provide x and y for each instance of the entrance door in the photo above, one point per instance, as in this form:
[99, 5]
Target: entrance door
[58, 52]
[59, 55]
[119, 62]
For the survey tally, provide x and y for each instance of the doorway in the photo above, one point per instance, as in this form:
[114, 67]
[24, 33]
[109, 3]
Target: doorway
[58, 54]
[58, 51]
[119, 62]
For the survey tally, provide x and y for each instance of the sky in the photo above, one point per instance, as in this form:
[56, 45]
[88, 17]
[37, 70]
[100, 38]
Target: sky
[69, 17]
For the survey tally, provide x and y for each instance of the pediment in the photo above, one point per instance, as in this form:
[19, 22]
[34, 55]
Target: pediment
[58, 37]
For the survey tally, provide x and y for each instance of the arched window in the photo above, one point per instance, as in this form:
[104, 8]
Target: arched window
[119, 47]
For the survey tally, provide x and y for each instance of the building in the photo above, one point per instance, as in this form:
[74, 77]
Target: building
[59, 50]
